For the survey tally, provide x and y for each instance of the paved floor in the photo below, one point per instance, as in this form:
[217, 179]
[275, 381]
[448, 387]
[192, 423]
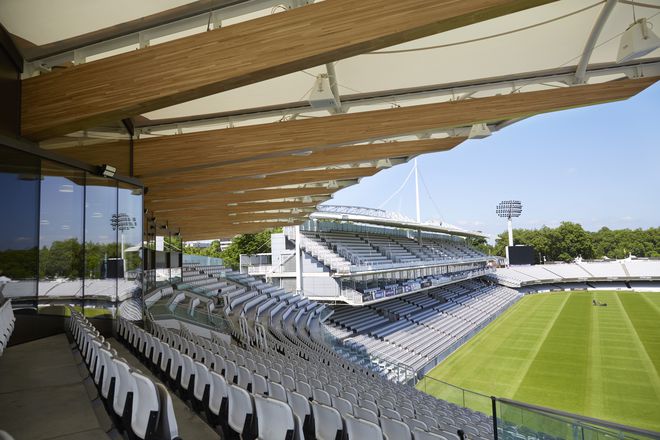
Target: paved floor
[42, 395]
[191, 426]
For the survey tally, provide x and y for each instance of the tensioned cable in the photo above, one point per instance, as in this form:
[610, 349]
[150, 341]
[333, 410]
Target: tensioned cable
[421, 177]
[641, 5]
[488, 37]
[398, 190]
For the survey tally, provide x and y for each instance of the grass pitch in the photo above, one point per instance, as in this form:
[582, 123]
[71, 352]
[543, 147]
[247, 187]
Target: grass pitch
[558, 350]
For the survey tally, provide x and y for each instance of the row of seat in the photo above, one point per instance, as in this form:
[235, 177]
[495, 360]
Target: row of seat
[7, 320]
[138, 407]
[211, 384]
[296, 339]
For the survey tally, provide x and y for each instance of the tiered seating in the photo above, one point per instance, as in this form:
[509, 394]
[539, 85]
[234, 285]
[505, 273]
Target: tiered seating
[137, 405]
[7, 320]
[604, 269]
[366, 251]
[295, 387]
[424, 325]
[357, 319]
[610, 275]
[642, 268]
[215, 379]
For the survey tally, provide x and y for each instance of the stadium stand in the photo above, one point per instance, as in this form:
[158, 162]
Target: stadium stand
[420, 329]
[137, 405]
[378, 251]
[628, 274]
[291, 383]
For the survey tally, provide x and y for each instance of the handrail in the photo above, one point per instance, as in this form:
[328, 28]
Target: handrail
[589, 421]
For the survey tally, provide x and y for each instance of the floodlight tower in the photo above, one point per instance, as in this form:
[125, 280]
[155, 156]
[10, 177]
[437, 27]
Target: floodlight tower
[509, 209]
[122, 222]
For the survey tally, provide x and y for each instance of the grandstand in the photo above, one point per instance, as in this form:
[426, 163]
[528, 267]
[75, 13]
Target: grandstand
[630, 274]
[130, 128]
[357, 256]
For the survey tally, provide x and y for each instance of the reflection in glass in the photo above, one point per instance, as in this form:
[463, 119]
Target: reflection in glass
[102, 266]
[61, 256]
[19, 227]
[128, 224]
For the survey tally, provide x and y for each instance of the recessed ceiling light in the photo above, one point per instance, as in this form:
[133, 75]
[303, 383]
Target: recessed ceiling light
[44, 222]
[97, 215]
[66, 188]
[66, 227]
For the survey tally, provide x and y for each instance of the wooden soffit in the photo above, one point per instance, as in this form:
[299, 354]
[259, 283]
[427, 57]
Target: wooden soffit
[192, 67]
[158, 157]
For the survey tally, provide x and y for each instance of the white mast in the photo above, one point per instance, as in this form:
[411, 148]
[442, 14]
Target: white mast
[417, 192]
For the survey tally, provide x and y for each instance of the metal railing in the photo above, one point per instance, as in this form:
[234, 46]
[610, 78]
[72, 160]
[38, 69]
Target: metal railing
[514, 420]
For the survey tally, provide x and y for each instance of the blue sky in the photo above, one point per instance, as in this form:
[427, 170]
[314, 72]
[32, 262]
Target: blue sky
[598, 166]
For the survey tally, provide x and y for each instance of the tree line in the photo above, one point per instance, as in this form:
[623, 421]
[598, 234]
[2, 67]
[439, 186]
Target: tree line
[569, 241]
[249, 244]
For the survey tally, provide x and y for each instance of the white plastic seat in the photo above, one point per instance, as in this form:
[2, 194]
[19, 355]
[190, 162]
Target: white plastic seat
[240, 411]
[244, 378]
[218, 398]
[167, 427]
[176, 366]
[109, 375]
[321, 396]
[327, 422]
[301, 409]
[277, 391]
[419, 434]
[390, 414]
[304, 389]
[230, 371]
[342, 405]
[365, 414]
[144, 414]
[394, 429]
[202, 386]
[259, 385]
[275, 419]
[288, 382]
[357, 429]
[124, 391]
[188, 370]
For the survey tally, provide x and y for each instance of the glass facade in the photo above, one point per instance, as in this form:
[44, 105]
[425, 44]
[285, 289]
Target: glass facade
[19, 226]
[69, 237]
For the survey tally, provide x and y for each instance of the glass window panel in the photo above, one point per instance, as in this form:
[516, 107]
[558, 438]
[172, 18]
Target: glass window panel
[61, 256]
[19, 225]
[103, 265]
[129, 221]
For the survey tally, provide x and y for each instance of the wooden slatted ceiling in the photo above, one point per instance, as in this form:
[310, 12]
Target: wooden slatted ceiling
[212, 231]
[326, 157]
[200, 65]
[243, 197]
[295, 178]
[218, 206]
[195, 151]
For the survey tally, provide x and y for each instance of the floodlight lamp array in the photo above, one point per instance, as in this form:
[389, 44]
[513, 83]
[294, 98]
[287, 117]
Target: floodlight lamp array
[509, 209]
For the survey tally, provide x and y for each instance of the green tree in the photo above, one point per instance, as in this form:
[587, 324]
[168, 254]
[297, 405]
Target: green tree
[249, 244]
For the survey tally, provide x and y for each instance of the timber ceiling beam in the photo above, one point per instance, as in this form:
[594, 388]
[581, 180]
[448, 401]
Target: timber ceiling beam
[220, 207]
[195, 151]
[192, 67]
[315, 159]
[260, 195]
[244, 184]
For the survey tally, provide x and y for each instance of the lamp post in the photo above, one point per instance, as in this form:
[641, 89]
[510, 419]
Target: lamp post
[509, 209]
